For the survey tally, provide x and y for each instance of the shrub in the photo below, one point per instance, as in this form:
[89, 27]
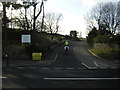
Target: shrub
[102, 39]
[115, 39]
[90, 41]
[15, 52]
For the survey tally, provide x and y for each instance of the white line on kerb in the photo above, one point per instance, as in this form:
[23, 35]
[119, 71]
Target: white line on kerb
[82, 78]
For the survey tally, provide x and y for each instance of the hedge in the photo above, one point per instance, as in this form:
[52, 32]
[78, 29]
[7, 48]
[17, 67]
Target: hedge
[115, 39]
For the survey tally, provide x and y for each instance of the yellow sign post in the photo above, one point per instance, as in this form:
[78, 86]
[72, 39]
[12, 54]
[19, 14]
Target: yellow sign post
[36, 56]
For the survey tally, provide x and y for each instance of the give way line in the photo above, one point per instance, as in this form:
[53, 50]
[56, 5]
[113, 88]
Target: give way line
[82, 78]
[2, 77]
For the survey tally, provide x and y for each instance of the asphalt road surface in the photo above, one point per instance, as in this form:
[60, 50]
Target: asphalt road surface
[76, 69]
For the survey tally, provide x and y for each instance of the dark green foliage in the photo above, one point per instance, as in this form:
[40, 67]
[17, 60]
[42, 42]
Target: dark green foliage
[73, 35]
[16, 50]
[116, 39]
[110, 39]
[93, 33]
[102, 39]
[102, 36]
[90, 41]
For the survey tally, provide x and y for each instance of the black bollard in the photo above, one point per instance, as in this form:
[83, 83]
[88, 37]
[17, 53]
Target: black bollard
[6, 57]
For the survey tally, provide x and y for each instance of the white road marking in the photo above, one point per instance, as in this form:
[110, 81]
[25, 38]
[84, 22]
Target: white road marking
[57, 68]
[99, 65]
[81, 68]
[2, 77]
[20, 67]
[103, 67]
[89, 67]
[55, 58]
[105, 64]
[114, 78]
[113, 67]
[45, 68]
[95, 63]
[94, 67]
[70, 68]
[86, 65]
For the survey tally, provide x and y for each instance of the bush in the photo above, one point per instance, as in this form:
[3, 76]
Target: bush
[90, 41]
[102, 39]
[106, 52]
[115, 39]
[15, 52]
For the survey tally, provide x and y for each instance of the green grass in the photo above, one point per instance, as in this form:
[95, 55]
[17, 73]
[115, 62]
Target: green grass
[108, 53]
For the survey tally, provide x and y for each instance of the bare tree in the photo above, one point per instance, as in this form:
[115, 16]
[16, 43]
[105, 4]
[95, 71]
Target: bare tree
[35, 16]
[107, 16]
[111, 16]
[91, 23]
[23, 22]
[52, 21]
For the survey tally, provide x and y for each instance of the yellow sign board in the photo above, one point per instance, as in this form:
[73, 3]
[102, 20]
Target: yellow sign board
[36, 56]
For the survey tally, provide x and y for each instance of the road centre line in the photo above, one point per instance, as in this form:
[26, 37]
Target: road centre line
[82, 78]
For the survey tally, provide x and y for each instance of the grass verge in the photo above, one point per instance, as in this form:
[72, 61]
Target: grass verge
[107, 53]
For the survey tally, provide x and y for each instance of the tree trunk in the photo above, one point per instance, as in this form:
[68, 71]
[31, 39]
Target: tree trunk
[5, 22]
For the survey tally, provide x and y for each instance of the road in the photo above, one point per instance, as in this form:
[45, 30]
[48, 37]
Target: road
[77, 69]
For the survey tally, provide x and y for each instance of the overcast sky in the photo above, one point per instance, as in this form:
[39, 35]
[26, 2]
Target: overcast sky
[73, 12]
